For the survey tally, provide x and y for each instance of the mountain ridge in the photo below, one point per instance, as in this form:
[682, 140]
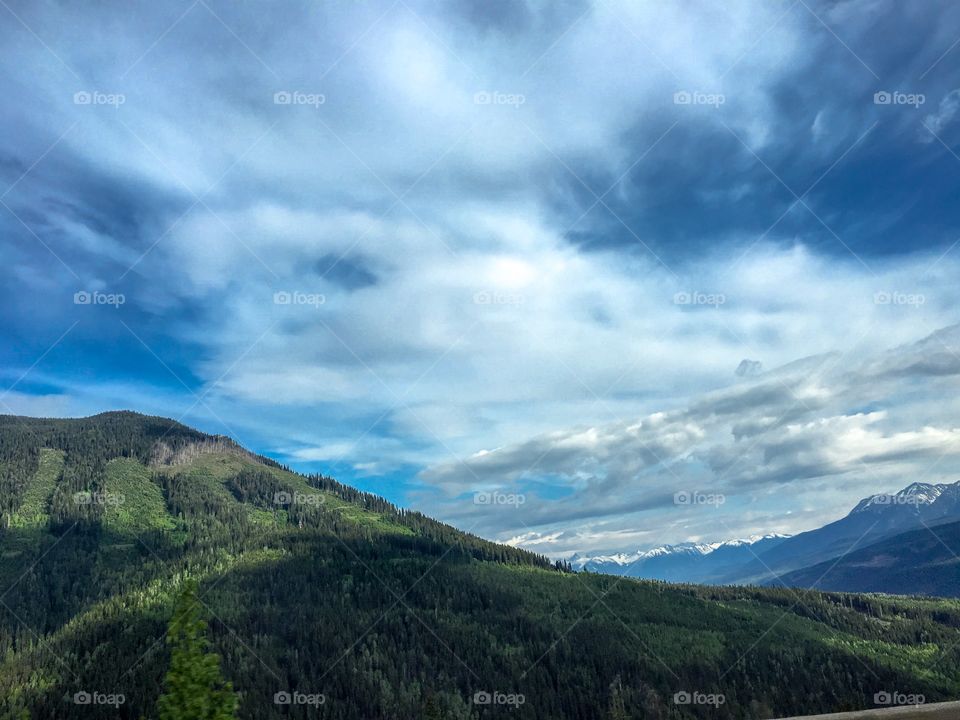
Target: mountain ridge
[684, 555]
[916, 562]
[771, 557]
[316, 588]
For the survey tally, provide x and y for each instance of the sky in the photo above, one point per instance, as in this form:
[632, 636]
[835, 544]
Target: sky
[578, 276]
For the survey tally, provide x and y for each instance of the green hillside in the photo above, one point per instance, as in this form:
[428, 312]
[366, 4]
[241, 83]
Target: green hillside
[330, 594]
[33, 510]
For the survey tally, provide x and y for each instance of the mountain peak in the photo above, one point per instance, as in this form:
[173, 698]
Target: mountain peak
[915, 494]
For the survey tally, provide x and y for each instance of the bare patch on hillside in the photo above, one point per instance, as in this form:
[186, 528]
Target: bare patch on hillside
[164, 455]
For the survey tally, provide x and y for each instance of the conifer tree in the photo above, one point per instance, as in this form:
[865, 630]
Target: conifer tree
[194, 686]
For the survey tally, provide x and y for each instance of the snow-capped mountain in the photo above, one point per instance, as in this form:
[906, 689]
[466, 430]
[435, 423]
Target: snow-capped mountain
[765, 558]
[683, 562]
[872, 519]
[915, 495]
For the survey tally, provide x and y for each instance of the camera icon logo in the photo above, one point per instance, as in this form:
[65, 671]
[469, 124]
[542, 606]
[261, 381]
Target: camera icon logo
[82, 698]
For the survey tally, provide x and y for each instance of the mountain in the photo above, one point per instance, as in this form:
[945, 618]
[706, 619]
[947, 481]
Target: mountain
[872, 519]
[882, 545]
[685, 562]
[324, 601]
[918, 562]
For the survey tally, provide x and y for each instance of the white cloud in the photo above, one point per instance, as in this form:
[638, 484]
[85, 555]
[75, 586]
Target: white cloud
[937, 122]
[793, 433]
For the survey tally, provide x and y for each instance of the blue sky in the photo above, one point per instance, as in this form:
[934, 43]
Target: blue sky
[500, 261]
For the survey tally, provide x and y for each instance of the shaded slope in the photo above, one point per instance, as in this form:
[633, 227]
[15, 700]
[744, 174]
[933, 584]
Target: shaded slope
[919, 562]
[874, 518]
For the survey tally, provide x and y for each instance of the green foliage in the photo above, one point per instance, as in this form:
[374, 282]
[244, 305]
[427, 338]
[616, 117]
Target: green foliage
[194, 688]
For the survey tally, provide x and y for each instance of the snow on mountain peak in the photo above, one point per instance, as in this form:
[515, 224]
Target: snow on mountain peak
[688, 548]
[914, 494]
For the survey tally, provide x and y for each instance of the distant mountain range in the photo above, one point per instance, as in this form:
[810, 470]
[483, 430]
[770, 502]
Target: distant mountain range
[885, 544]
[685, 562]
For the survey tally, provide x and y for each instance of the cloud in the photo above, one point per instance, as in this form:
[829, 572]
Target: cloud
[937, 122]
[748, 368]
[525, 242]
[806, 439]
[35, 405]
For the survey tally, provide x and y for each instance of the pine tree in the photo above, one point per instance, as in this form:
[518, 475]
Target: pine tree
[195, 688]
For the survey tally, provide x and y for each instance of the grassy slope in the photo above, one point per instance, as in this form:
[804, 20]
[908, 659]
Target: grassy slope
[212, 470]
[135, 503]
[32, 512]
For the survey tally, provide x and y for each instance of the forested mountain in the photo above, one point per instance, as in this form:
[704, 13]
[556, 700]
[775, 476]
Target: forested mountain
[872, 519]
[324, 601]
[919, 562]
